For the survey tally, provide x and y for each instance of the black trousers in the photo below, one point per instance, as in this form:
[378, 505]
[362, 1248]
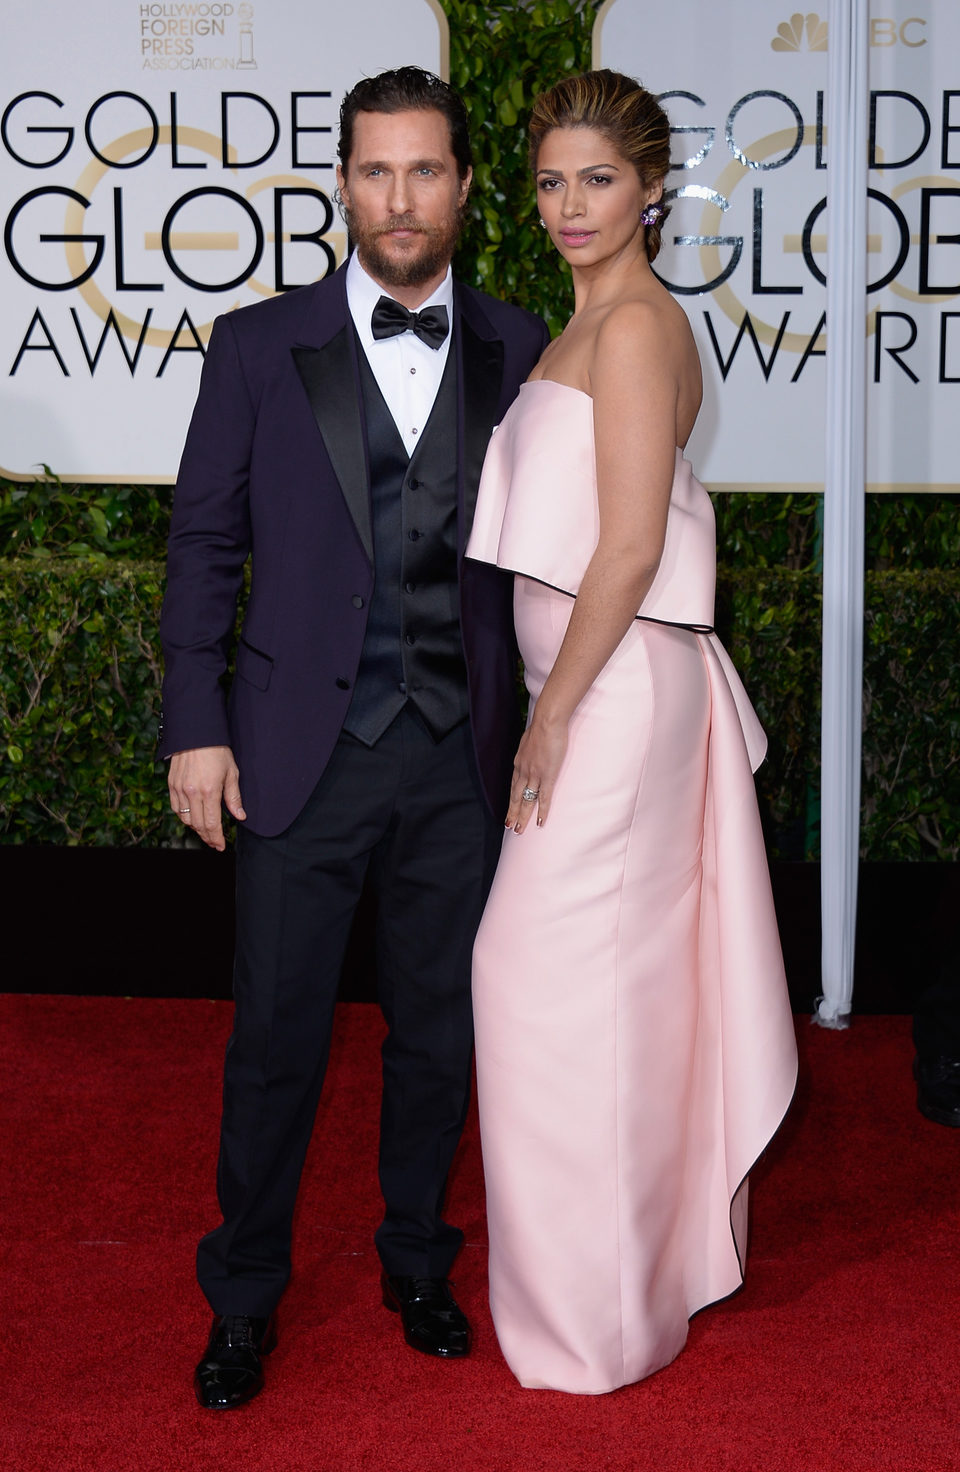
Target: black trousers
[411, 811]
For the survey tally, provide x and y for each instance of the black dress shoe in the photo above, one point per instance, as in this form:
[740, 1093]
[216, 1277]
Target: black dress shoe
[432, 1320]
[938, 1089]
[230, 1371]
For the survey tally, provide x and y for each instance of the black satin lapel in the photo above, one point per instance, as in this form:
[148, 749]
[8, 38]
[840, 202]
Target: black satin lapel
[481, 377]
[328, 376]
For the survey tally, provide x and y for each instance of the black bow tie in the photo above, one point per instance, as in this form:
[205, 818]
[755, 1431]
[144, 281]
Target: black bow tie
[391, 318]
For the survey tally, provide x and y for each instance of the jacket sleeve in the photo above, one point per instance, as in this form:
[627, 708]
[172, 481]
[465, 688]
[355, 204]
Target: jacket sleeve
[208, 545]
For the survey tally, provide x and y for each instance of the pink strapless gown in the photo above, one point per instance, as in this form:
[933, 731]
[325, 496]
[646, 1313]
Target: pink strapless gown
[635, 1047]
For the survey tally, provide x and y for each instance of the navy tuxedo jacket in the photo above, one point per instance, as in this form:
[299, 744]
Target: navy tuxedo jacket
[275, 469]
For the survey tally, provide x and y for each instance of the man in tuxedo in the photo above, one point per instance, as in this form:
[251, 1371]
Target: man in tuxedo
[371, 723]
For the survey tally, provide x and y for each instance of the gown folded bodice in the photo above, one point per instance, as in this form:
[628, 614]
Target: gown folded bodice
[537, 514]
[537, 510]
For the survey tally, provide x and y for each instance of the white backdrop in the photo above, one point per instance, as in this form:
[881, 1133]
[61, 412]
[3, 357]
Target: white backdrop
[175, 140]
[748, 80]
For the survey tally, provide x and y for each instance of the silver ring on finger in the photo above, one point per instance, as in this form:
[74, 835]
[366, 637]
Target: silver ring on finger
[183, 810]
[530, 794]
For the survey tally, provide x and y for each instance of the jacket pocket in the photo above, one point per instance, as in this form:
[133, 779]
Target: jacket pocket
[253, 666]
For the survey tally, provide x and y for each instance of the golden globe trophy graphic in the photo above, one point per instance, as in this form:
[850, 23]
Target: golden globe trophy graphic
[246, 60]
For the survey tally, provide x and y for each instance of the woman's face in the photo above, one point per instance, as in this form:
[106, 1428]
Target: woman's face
[590, 197]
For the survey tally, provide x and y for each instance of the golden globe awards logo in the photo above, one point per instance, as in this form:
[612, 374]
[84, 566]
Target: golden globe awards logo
[163, 162]
[906, 259]
[254, 220]
[185, 36]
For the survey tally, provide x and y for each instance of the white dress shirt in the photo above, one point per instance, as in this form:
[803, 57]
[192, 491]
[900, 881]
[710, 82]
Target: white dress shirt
[407, 371]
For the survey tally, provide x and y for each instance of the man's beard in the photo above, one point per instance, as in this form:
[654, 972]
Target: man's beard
[418, 267]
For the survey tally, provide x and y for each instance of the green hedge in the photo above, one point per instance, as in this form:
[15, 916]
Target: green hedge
[911, 716]
[79, 695]
[910, 801]
[501, 55]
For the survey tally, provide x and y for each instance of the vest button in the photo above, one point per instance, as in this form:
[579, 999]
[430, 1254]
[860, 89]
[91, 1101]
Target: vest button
[402, 687]
[357, 601]
[342, 684]
[409, 587]
[410, 639]
[414, 535]
[413, 483]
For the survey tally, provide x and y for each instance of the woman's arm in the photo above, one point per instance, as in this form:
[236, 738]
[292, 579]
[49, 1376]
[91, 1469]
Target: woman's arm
[634, 380]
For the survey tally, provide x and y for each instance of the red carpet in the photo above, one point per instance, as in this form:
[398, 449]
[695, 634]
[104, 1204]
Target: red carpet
[841, 1354]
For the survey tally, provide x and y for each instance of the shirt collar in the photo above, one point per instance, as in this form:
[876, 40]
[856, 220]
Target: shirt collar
[363, 293]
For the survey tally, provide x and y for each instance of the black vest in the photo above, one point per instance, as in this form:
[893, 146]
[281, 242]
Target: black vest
[412, 649]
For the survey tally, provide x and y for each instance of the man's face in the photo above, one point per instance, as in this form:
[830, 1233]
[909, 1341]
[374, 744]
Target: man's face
[403, 198]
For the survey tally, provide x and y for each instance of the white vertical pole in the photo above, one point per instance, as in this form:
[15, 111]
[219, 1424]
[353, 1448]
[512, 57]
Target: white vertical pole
[844, 480]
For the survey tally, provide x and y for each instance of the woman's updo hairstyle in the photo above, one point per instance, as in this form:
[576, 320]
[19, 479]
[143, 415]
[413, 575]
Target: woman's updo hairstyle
[625, 113]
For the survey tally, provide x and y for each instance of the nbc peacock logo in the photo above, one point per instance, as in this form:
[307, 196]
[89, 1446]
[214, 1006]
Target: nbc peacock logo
[799, 29]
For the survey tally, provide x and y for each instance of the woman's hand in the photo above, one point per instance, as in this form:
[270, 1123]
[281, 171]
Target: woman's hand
[536, 767]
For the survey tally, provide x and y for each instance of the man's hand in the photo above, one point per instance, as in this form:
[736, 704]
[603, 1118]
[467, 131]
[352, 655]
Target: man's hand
[199, 781]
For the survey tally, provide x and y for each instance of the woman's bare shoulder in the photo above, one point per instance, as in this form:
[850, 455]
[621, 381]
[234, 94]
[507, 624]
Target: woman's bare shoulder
[638, 332]
[626, 320]
[652, 316]
[630, 335]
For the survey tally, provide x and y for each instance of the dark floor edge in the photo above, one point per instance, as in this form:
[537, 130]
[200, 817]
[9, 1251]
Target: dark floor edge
[159, 923]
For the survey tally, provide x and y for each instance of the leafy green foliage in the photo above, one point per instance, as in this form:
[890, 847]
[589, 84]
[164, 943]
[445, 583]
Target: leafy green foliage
[912, 532]
[501, 55]
[44, 518]
[79, 697]
[909, 531]
[911, 716]
[768, 530]
[769, 620]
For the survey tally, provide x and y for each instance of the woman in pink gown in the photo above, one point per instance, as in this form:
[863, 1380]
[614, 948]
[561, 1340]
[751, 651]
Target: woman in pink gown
[635, 1048]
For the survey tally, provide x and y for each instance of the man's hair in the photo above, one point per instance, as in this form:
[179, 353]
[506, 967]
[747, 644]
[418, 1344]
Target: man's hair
[407, 89]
